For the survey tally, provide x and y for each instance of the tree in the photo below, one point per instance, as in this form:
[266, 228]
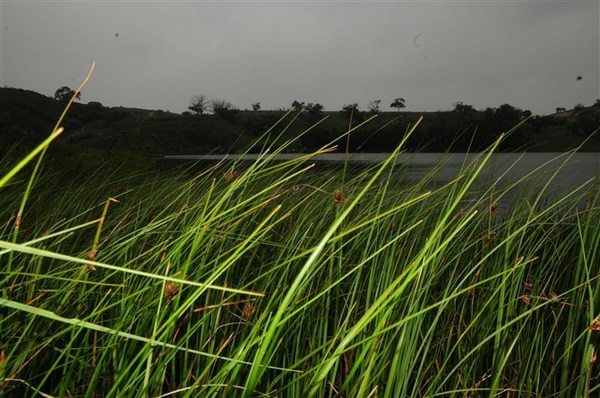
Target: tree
[510, 113]
[64, 94]
[597, 103]
[297, 105]
[198, 104]
[314, 109]
[398, 103]
[219, 105]
[350, 109]
[374, 106]
[224, 109]
[460, 107]
[353, 112]
[256, 106]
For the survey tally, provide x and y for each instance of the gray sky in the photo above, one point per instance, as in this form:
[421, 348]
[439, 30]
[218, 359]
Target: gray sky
[158, 54]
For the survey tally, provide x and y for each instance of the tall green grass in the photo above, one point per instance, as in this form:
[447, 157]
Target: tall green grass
[281, 279]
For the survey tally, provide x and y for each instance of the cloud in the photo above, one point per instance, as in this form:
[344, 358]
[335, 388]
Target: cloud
[157, 55]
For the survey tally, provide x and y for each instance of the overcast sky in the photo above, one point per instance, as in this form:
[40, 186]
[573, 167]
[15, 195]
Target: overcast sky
[157, 54]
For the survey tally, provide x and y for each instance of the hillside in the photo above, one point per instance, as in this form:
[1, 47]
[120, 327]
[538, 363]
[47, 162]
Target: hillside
[26, 117]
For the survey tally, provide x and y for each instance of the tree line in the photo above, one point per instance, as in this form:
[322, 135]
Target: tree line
[461, 128]
[200, 104]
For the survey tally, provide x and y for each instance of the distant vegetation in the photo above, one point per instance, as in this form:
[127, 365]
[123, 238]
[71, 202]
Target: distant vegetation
[217, 126]
[65, 93]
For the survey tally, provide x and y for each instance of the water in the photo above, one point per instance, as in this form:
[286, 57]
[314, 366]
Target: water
[520, 172]
[573, 169]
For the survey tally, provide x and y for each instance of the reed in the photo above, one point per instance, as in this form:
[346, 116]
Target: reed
[276, 279]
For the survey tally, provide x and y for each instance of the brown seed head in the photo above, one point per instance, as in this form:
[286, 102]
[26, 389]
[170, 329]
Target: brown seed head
[338, 196]
[171, 291]
[525, 299]
[92, 257]
[231, 177]
[249, 311]
[595, 326]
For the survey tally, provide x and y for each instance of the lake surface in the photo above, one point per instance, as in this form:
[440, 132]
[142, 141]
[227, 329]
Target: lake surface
[573, 169]
[531, 170]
